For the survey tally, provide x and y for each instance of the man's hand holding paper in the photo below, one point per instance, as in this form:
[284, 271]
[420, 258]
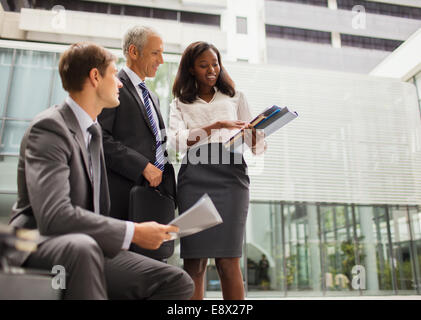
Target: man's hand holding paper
[201, 216]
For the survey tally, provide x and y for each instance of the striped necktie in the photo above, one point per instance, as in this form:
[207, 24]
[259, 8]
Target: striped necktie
[159, 156]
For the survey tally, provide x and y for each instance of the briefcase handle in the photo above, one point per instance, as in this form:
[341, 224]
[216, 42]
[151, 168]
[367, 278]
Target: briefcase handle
[162, 193]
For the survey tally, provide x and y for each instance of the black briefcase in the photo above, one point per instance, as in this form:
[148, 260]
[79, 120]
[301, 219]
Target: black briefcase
[149, 204]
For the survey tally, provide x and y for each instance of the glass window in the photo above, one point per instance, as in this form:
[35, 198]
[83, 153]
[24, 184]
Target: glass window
[415, 216]
[33, 72]
[348, 40]
[137, 11]
[164, 14]
[58, 94]
[12, 136]
[242, 25]
[76, 5]
[30, 90]
[382, 8]
[115, 9]
[402, 249]
[298, 34]
[6, 56]
[162, 85]
[265, 269]
[322, 3]
[302, 253]
[6, 204]
[385, 270]
[8, 174]
[200, 18]
[339, 254]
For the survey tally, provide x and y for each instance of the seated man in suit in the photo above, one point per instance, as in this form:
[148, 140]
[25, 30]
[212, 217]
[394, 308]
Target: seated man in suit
[63, 192]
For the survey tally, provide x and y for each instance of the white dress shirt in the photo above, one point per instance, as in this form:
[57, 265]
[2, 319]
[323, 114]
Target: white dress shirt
[187, 116]
[135, 79]
[85, 121]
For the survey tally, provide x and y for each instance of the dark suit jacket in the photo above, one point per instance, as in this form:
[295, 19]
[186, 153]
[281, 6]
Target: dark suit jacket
[55, 193]
[129, 145]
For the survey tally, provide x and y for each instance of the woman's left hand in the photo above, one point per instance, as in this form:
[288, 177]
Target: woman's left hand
[255, 139]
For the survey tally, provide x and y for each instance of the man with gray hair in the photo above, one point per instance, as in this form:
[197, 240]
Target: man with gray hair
[134, 134]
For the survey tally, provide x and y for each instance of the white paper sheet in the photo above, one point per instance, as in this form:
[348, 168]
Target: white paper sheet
[201, 216]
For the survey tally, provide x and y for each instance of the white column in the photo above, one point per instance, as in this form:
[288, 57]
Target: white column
[332, 4]
[369, 242]
[314, 248]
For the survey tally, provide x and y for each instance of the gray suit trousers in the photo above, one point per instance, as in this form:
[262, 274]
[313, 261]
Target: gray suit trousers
[126, 276]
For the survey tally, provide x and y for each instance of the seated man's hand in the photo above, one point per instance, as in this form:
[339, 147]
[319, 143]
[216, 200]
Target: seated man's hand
[153, 175]
[150, 235]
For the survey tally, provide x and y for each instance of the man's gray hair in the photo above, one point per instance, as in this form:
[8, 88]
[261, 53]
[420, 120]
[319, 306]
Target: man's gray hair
[137, 35]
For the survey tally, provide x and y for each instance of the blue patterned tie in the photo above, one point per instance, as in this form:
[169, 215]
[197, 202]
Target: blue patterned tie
[159, 156]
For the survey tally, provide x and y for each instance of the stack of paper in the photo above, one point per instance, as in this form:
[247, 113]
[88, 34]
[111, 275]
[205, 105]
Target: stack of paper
[270, 120]
[202, 215]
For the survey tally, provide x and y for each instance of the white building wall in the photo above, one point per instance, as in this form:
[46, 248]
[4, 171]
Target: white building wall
[250, 46]
[335, 56]
[314, 55]
[108, 30]
[404, 62]
[325, 19]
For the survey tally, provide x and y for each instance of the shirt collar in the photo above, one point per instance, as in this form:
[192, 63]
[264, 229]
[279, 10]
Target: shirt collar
[213, 98]
[83, 118]
[134, 78]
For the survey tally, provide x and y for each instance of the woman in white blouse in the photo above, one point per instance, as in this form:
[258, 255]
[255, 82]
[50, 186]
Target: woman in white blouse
[206, 111]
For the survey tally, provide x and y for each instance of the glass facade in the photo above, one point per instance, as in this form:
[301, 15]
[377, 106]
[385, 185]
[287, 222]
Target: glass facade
[290, 249]
[29, 83]
[333, 249]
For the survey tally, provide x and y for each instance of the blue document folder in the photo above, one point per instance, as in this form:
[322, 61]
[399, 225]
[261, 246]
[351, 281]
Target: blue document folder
[270, 120]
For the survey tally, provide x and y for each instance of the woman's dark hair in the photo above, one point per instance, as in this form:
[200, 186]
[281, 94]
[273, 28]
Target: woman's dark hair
[185, 87]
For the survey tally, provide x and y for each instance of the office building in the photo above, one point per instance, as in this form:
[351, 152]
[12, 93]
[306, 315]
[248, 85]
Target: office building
[335, 201]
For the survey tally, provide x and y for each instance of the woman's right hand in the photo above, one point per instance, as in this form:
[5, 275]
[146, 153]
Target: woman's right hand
[229, 124]
[198, 134]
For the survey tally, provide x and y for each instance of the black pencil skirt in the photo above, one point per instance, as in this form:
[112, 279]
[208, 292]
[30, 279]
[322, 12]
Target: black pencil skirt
[223, 176]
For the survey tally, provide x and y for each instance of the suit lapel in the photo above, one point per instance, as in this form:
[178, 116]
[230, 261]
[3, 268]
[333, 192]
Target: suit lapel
[74, 127]
[127, 83]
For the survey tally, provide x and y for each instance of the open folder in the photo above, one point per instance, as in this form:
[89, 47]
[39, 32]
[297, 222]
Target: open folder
[202, 215]
[270, 120]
